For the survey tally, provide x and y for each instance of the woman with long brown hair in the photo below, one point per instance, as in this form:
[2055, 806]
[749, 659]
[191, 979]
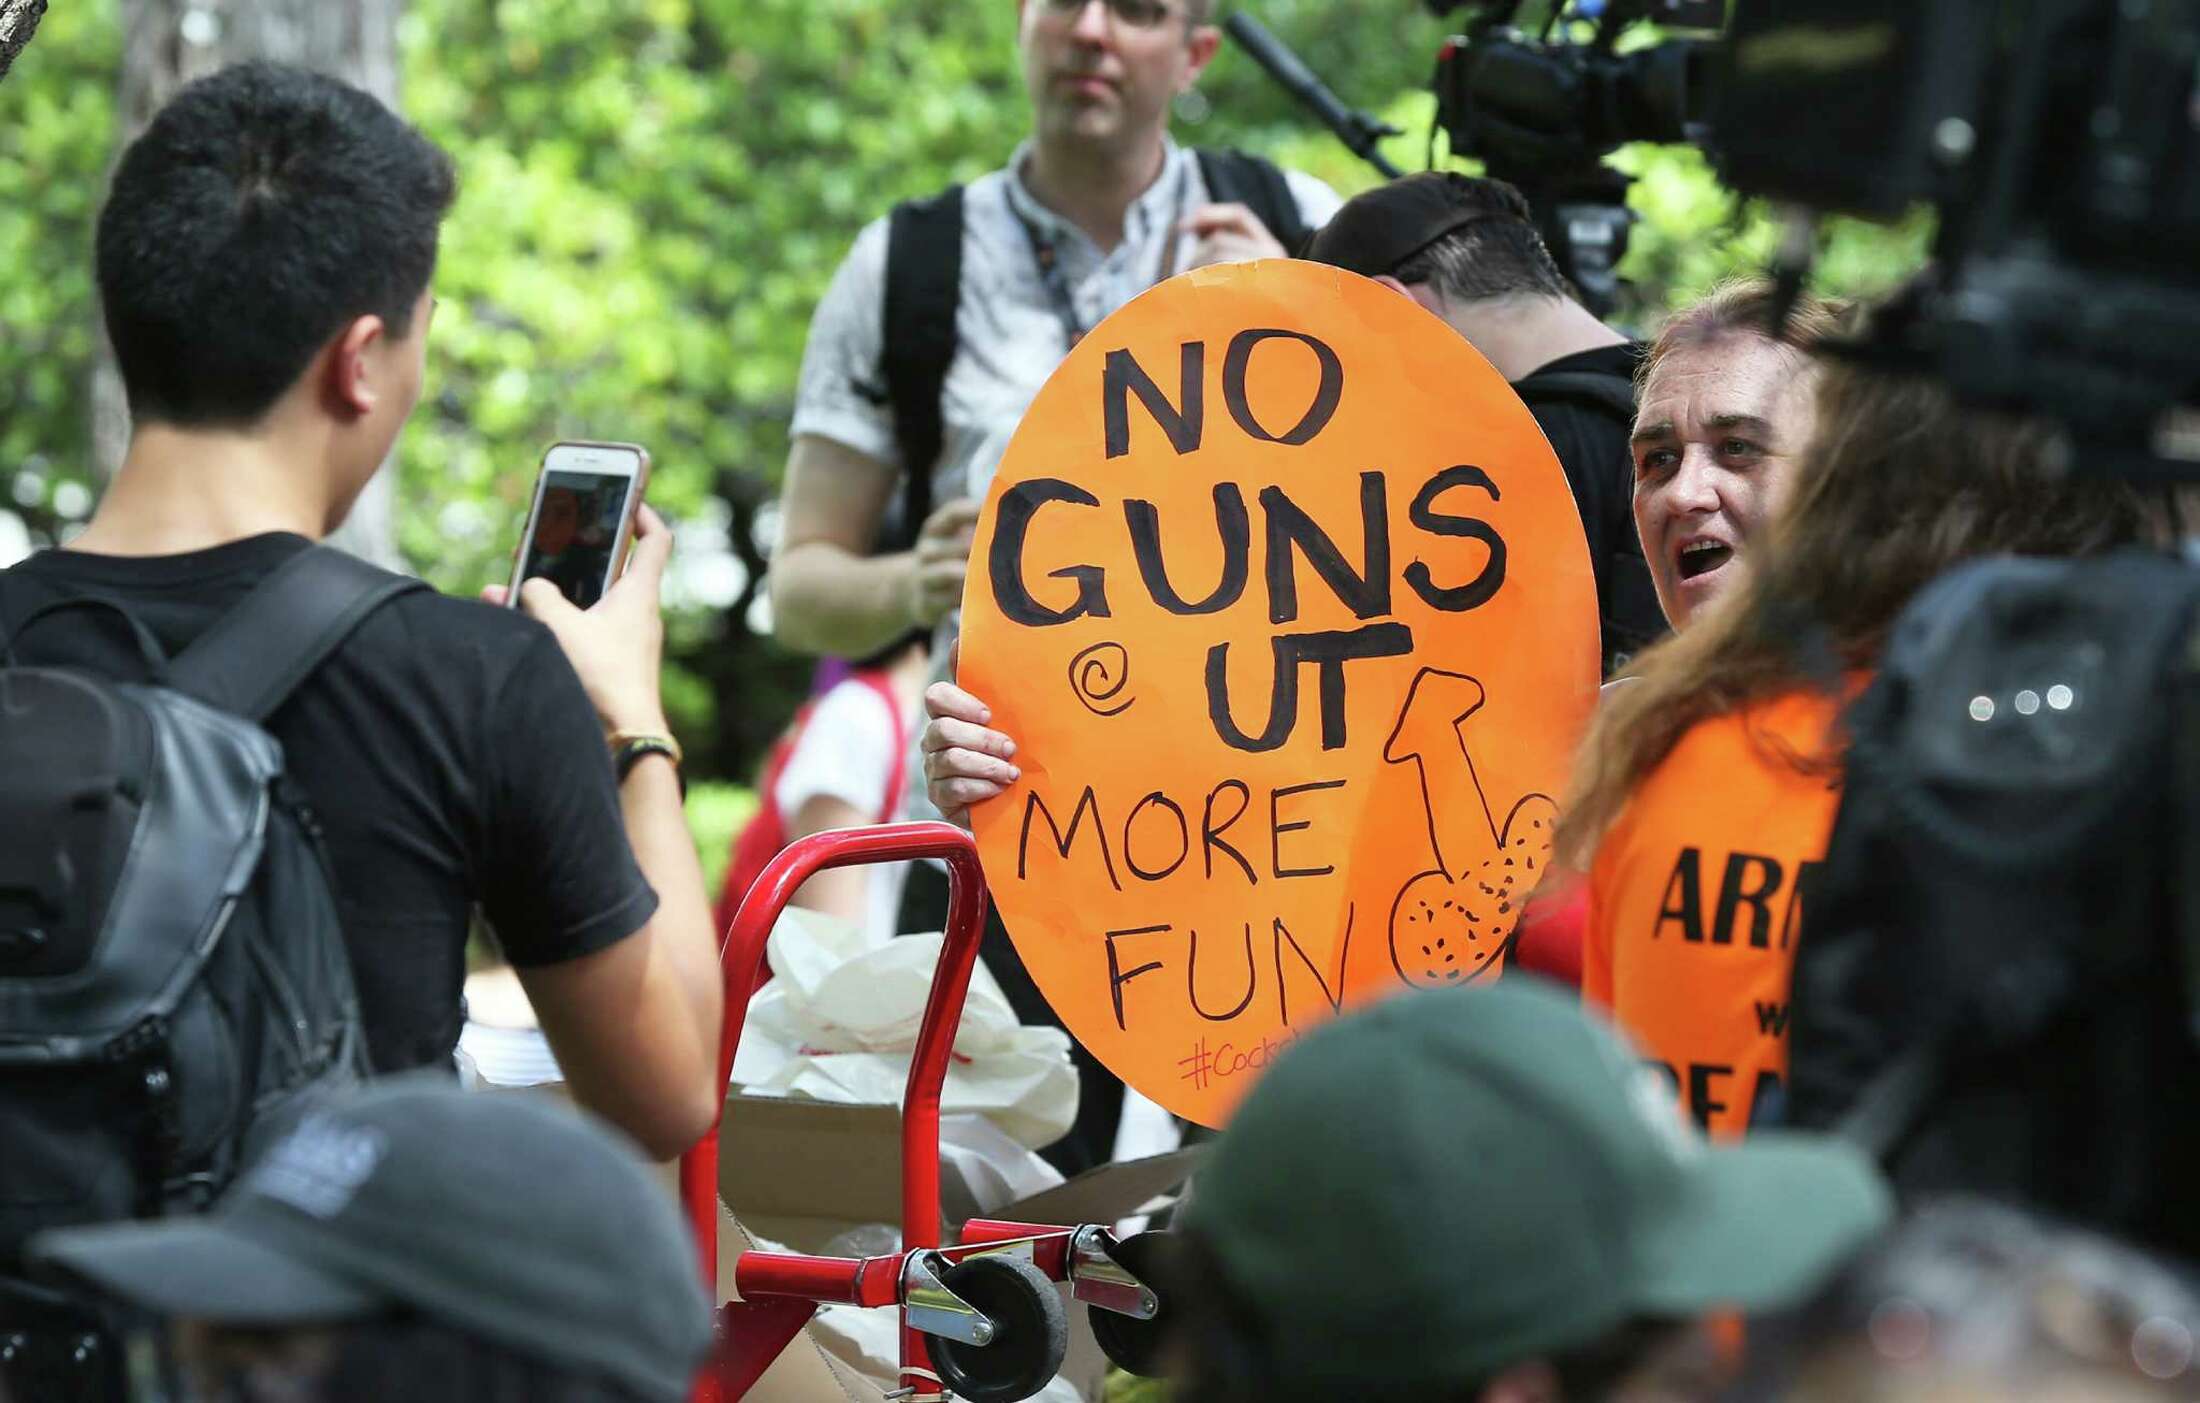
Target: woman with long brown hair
[1724, 410]
[1707, 786]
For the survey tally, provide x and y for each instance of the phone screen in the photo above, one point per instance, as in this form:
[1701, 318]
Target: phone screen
[578, 516]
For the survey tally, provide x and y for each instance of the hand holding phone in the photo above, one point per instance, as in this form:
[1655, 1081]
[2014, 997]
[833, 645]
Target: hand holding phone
[617, 647]
[609, 628]
[581, 519]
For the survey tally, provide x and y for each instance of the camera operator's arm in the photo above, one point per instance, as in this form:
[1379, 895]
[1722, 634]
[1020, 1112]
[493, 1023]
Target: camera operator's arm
[829, 595]
[634, 1023]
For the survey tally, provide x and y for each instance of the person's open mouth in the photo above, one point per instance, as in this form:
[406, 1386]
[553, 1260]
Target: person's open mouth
[1701, 557]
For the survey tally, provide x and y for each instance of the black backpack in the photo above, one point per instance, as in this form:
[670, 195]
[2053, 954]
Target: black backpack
[172, 971]
[1628, 613]
[1996, 985]
[924, 290]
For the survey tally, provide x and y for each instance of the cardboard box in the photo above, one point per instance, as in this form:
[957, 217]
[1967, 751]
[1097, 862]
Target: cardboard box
[804, 1172]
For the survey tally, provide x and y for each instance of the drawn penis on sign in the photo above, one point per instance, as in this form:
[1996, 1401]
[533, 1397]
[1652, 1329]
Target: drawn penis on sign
[1454, 922]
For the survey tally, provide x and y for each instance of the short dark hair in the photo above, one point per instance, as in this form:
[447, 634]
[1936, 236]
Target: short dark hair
[263, 209]
[1497, 257]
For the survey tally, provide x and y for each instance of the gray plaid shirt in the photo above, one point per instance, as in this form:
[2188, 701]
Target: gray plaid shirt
[1009, 334]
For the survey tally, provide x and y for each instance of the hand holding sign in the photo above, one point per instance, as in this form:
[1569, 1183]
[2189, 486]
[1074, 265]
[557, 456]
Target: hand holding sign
[965, 761]
[1262, 545]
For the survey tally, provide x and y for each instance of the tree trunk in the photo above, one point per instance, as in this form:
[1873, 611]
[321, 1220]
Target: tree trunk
[18, 22]
[168, 43]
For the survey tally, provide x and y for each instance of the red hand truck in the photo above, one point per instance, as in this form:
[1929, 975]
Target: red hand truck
[980, 1320]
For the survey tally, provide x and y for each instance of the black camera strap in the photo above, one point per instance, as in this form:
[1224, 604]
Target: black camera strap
[1047, 255]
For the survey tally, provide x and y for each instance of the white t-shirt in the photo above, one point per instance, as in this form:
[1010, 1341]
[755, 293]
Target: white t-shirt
[849, 751]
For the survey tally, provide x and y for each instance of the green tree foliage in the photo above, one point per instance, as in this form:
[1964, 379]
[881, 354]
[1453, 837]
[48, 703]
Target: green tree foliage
[653, 195]
[56, 131]
[18, 25]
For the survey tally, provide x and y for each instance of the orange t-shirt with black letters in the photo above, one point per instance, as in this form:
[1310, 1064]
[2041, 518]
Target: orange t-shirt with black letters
[1696, 897]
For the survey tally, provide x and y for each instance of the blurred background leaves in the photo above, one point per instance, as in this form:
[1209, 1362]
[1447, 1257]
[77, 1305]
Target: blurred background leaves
[653, 195]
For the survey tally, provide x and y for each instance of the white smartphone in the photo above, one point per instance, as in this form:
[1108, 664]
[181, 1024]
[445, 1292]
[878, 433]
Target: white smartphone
[581, 520]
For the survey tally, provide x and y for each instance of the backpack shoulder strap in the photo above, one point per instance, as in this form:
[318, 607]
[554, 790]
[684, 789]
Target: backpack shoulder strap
[924, 247]
[1591, 389]
[255, 655]
[1238, 177]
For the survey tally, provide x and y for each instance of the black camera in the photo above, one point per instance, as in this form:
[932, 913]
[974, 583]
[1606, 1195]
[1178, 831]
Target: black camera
[1531, 103]
[2059, 141]
[1542, 112]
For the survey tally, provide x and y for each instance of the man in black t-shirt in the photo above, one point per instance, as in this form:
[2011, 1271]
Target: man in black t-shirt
[1467, 250]
[263, 261]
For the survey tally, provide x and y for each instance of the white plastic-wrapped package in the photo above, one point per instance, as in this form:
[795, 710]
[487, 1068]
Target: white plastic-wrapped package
[840, 1019]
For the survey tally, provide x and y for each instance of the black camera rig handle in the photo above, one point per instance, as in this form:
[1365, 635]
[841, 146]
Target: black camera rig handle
[1359, 131]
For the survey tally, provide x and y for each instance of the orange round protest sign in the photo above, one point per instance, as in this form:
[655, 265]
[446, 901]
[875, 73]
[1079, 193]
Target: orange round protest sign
[1286, 602]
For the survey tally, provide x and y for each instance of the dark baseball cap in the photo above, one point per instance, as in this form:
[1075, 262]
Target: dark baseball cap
[501, 1215]
[1378, 230]
[1460, 1180]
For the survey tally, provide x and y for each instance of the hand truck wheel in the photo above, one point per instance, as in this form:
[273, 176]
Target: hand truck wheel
[1031, 1331]
[1133, 1345]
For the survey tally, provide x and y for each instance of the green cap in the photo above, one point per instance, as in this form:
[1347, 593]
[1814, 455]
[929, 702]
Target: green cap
[1460, 1180]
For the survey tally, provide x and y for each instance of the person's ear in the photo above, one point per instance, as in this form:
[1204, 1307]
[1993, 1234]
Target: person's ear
[1422, 294]
[1205, 42]
[352, 381]
[1428, 297]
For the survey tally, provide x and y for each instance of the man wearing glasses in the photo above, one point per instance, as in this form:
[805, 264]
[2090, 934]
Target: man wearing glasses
[947, 316]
